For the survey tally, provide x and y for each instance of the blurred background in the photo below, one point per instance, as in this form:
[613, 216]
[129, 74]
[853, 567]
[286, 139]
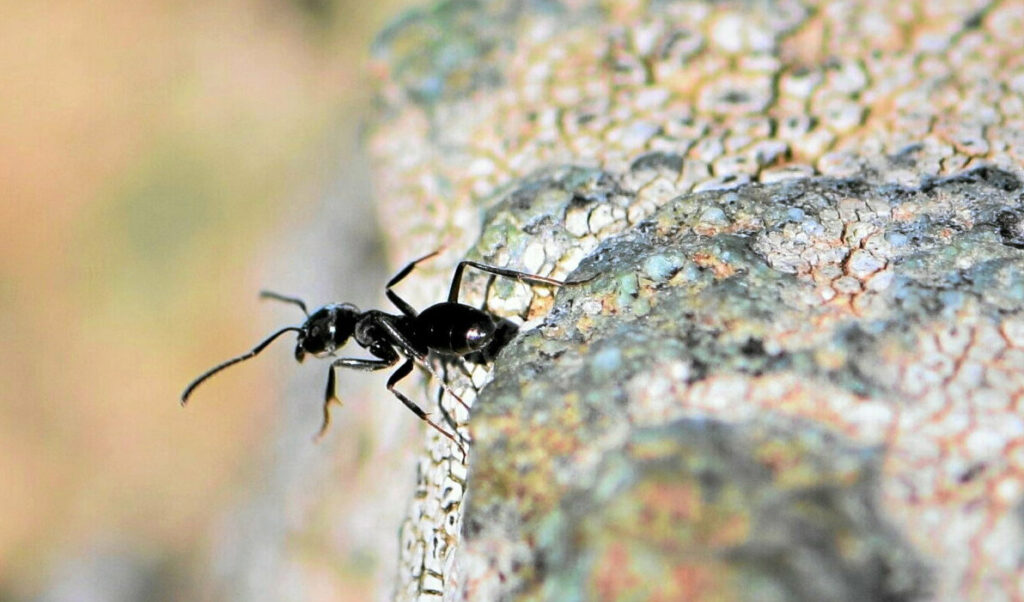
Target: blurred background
[160, 163]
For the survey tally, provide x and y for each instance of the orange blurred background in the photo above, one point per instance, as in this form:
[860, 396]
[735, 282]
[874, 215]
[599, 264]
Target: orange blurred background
[160, 163]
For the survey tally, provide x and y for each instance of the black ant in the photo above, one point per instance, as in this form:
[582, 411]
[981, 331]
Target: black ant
[449, 330]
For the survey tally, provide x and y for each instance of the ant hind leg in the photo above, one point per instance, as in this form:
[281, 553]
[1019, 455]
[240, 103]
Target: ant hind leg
[448, 418]
[401, 373]
[453, 293]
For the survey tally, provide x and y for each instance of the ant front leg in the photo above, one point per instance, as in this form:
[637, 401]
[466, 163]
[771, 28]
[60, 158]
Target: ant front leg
[347, 362]
[401, 373]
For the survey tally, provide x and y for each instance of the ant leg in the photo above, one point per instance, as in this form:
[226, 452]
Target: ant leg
[286, 299]
[399, 302]
[402, 273]
[401, 373]
[331, 394]
[440, 395]
[487, 291]
[444, 411]
[399, 340]
[453, 294]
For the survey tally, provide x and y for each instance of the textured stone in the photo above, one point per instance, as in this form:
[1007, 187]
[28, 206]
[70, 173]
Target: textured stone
[796, 371]
[734, 347]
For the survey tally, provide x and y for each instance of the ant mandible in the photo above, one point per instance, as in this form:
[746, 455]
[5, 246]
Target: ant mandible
[448, 330]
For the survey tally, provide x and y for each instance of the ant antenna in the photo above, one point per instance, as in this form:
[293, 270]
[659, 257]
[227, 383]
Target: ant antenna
[280, 297]
[205, 375]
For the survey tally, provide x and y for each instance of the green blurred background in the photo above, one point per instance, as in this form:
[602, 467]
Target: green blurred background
[159, 164]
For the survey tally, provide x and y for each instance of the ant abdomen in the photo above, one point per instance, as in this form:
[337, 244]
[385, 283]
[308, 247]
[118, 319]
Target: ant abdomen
[454, 328]
[505, 330]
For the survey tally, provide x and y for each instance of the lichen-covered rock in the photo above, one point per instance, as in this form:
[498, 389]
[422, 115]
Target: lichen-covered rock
[830, 350]
[790, 362]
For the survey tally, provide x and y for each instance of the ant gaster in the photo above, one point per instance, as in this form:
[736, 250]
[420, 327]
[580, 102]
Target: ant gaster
[449, 330]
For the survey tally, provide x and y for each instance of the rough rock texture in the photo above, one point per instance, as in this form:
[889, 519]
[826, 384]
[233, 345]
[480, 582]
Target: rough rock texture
[791, 364]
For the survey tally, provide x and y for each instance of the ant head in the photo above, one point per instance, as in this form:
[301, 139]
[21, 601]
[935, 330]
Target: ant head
[327, 329]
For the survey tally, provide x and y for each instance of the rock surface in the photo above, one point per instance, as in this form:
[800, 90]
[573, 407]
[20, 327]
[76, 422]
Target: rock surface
[791, 364]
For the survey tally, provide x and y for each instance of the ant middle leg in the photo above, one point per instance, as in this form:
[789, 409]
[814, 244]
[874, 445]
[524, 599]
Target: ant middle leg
[330, 394]
[402, 342]
[399, 302]
[401, 373]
